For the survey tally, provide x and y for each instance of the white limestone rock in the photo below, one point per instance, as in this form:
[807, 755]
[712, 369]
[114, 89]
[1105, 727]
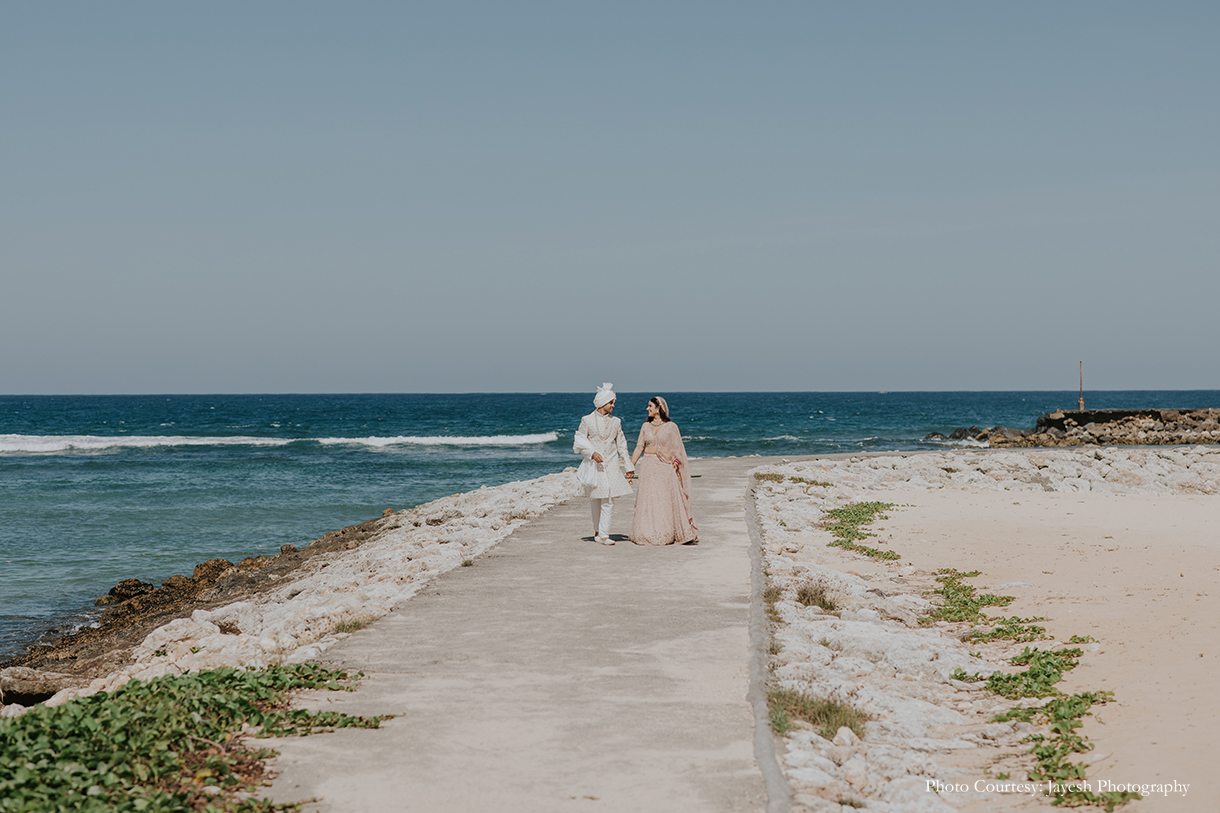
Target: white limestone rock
[911, 794]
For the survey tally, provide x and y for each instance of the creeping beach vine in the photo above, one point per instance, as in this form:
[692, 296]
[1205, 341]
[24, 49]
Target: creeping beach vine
[844, 525]
[168, 745]
[1044, 669]
[963, 603]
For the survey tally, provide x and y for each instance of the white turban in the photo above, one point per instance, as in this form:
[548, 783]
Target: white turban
[605, 394]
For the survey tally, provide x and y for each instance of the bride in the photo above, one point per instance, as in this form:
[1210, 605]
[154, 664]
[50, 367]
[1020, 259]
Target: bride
[662, 504]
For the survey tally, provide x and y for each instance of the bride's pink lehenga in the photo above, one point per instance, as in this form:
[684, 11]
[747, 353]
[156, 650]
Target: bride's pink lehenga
[662, 504]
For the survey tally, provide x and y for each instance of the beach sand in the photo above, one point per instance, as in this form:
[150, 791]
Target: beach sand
[1135, 571]
[1131, 562]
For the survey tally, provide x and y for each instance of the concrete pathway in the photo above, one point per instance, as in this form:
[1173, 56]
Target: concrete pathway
[555, 675]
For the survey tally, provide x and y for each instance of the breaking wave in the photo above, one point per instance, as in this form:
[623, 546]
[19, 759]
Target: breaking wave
[34, 444]
[446, 440]
[52, 444]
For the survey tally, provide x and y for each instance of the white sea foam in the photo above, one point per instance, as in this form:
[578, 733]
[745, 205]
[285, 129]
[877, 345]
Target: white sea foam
[50, 444]
[446, 440]
[34, 444]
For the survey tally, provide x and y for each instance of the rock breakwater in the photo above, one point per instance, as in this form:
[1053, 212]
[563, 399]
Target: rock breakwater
[1102, 427]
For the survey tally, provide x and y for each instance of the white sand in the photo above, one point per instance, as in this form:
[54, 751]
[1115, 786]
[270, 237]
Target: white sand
[1119, 545]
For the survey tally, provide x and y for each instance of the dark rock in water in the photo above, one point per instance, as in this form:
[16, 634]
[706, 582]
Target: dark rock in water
[130, 588]
[288, 548]
[981, 435]
[176, 582]
[211, 570]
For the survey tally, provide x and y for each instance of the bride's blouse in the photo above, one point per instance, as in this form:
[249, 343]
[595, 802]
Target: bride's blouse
[665, 441]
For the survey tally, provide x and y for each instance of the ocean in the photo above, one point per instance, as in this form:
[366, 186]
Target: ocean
[95, 489]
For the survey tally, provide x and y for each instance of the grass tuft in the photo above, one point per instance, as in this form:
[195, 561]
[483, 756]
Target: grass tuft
[819, 483]
[773, 477]
[353, 624]
[771, 594]
[826, 715]
[814, 594]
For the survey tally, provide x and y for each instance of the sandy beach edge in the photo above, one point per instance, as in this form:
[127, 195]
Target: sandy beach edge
[1109, 545]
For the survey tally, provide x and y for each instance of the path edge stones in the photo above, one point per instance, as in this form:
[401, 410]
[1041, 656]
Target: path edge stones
[779, 795]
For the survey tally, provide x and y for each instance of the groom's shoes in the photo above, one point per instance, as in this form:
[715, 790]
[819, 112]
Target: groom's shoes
[602, 540]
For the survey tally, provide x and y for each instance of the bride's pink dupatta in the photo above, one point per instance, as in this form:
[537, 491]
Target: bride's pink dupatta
[671, 450]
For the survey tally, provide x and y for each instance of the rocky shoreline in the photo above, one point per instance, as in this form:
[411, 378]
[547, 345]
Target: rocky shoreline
[134, 608]
[1102, 427]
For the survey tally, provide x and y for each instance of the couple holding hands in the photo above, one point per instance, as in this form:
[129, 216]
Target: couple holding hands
[662, 506]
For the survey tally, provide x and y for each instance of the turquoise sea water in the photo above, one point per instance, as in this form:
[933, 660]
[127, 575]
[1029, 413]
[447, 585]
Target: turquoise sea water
[94, 489]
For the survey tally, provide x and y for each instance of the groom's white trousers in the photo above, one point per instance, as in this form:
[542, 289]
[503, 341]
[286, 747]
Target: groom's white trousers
[602, 509]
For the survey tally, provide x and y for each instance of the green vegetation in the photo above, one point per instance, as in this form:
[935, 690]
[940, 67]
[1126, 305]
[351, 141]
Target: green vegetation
[1012, 628]
[844, 525]
[773, 477]
[962, 603]
[354, 624]
[1063, 714]
[1044, 669]
[160, 746]
[771, 594]
[781, 723]
[827, 716]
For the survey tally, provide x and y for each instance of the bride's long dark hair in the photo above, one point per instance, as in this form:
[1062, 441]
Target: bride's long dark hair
[662, 407]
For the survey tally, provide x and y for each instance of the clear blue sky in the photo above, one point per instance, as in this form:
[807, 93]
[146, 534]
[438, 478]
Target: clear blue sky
[386, 197]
